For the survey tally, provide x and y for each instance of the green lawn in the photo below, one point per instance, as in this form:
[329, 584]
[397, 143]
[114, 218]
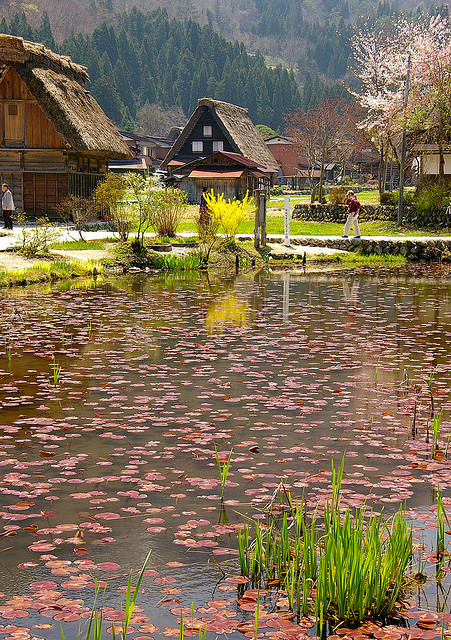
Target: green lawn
[81, 245]
[275, 226]
[371, 196]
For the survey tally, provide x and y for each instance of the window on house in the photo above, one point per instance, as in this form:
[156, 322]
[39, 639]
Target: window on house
[208, 131]
[197, 146]
[14, 123]
[218, 145]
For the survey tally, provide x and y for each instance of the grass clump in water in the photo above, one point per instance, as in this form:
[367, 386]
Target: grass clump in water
[177, 263]
[357, 259]
[346, 569]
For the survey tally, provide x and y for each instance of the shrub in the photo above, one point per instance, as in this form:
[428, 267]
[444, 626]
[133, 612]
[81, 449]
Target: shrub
[108, 195]
[207, 239]
[79, 211]
[169, 209]
[389, 197]
[36, 240]
[277, 191]
[432, 197]
[392, 197]
[229, 213]
[146, 200]
[337, 195]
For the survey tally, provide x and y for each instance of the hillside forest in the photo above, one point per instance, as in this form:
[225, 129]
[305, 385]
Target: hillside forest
[138, 58]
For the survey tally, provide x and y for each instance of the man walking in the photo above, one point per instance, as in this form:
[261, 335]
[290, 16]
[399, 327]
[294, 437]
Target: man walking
[353, 214]
[7, 207]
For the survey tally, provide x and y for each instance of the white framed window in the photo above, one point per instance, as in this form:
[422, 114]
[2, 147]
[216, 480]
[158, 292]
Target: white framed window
[197, 146]
[218, 145]
[208, 131]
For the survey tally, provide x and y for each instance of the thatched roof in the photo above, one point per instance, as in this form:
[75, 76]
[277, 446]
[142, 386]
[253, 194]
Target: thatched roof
[57, 83]
[237, 126]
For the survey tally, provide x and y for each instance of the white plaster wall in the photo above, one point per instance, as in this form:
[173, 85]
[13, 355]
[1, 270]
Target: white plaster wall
[430, 164]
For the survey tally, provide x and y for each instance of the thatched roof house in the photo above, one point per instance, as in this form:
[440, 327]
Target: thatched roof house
[220, 126]
[55, 137]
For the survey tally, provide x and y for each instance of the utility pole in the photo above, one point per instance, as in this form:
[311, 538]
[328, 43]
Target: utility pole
[402, 160]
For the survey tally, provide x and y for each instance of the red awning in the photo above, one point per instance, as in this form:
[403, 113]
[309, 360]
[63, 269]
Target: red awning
[215, 173]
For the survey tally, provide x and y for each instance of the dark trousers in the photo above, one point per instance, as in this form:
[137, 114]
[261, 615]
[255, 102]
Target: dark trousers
[7, 218]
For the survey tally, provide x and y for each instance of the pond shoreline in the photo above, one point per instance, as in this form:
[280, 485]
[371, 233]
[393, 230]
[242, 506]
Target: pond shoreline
[331, 256]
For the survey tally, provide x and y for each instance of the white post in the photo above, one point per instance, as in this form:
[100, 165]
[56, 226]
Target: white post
[287, 220]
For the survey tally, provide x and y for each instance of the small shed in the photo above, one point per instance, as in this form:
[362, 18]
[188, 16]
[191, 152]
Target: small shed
[55, 138]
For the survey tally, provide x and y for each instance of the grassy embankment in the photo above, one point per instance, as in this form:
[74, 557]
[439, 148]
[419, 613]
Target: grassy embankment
[47, 271]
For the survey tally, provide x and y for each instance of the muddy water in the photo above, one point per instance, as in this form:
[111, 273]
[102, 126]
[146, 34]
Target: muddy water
[115, 395]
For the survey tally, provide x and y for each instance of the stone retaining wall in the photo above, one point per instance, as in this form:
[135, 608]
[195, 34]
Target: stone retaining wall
[433, 250]
[338, 213]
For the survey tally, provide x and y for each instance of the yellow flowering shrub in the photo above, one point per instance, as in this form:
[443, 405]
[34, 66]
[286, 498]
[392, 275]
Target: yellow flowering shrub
[229, 213]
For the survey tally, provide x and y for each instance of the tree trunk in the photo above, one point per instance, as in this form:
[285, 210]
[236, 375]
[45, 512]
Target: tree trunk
[441, 162]
[312, 197]
[384, 177]
[321, 180]
[380, 177]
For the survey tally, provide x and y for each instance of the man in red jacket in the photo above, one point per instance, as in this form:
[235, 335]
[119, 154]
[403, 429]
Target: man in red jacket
[353, 214]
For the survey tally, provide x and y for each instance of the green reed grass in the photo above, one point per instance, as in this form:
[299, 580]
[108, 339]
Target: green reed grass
[8, 348]
[95, 622]
[377, 371]
[436, 422]
[440, 535]
[177, 263]
[223, 469]
[56, 371]
[256, 616]
[202, 632]
[349, 568]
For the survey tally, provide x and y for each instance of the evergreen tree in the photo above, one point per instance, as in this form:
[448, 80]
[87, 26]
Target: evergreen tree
[44, 32]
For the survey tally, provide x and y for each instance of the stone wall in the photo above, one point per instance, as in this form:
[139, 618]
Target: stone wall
[338, 213]
[433, 250]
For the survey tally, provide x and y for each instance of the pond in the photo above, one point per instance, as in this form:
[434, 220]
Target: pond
[117, 396]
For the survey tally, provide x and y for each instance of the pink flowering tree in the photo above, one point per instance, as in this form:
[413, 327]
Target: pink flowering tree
[381, 61]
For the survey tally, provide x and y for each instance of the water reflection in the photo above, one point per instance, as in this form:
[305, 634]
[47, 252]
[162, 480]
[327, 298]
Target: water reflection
[289, 370]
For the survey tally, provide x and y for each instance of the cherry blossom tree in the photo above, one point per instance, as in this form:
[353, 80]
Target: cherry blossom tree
[381, 59]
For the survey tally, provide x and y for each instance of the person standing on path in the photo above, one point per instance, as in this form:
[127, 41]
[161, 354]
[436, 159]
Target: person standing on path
[353, 214]
[7, 207]
[204, 212]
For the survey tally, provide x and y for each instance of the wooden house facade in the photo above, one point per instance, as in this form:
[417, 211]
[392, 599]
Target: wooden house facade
[228, 173]
[55, 138]
[218, 142]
